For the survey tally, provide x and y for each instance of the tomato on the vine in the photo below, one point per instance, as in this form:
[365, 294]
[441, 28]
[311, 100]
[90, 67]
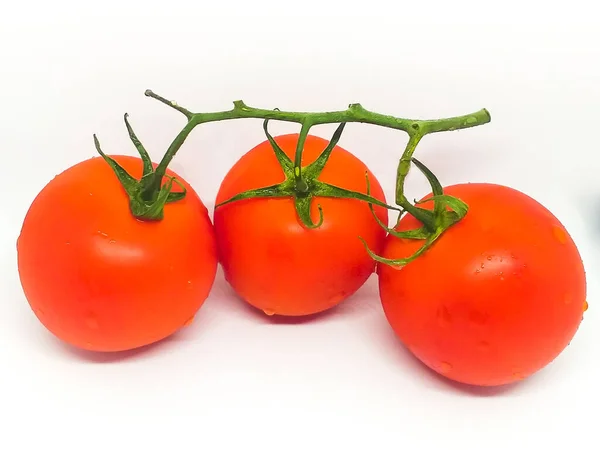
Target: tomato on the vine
[496, 298]
[100, 279]
[270, 258]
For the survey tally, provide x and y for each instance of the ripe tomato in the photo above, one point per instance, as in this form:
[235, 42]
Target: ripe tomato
[496, 298]
[275, 263]
[102, 280]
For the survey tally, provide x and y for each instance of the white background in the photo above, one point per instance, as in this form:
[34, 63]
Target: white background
[234, 379]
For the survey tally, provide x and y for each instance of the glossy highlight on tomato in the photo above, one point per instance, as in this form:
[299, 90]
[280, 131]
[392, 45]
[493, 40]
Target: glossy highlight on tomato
[496, 298]
[100, 279]
[275, 263]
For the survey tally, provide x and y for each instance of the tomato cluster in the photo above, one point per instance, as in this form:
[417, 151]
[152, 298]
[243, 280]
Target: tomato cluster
[479, 281]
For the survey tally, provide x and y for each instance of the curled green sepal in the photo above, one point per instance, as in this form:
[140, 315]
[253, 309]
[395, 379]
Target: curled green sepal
[314, 169]
[309, 187]
[141, 208]
[400, 262]
[146, 161]
[284, 161]
[303, 205]
[321, 189]
[274, 191]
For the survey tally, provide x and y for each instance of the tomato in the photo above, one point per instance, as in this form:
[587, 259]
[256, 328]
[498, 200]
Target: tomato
[270, 258]
[496, 298]
[100, 279]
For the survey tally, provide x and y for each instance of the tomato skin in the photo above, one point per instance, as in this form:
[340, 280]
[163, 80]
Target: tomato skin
[271, 260]
[101, 280]
[497, 297]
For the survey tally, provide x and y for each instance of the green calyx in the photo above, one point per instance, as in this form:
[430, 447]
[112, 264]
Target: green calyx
[148, 195]
[446, 211]
[301, 183]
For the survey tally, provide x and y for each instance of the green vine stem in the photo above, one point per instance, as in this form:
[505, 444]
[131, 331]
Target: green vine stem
[149, 195]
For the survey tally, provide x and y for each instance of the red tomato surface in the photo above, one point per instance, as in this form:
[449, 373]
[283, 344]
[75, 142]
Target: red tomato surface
[275, 263]
[102, 280]
[496, 298]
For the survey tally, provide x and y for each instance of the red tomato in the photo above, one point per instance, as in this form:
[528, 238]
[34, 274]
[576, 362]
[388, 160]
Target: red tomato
[102, 280]
[496, 298]
[275, 263]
